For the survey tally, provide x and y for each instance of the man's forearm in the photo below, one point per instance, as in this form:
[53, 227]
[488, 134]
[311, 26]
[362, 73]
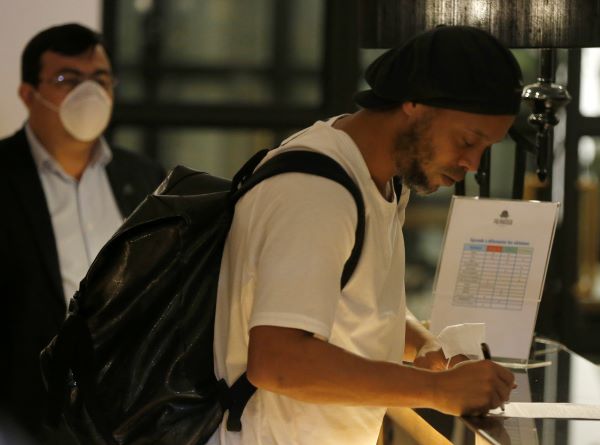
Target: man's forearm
[315, 371]
[295, 364]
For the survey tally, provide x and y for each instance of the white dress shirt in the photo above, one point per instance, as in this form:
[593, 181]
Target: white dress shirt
[84, 213]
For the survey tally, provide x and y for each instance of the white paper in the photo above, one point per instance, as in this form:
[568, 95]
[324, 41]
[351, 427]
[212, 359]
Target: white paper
[463, 338]
[548, 411]
[492, 269]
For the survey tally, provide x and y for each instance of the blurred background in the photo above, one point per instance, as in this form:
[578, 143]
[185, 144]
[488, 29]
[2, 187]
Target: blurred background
[206, 83]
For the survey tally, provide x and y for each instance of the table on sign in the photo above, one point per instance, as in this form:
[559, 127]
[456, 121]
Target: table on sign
[492, 276]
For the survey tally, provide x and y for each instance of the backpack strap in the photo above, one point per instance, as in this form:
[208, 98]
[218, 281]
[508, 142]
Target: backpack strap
[247, 169]
[397, 182]
[237, 398]
[299, 162]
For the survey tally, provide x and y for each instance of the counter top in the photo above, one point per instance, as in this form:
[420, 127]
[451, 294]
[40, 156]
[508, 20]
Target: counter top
[568, 378]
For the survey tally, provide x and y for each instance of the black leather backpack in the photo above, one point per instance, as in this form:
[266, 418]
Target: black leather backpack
[133, 362]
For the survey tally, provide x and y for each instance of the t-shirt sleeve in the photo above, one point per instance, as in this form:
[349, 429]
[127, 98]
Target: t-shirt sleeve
[303, 235]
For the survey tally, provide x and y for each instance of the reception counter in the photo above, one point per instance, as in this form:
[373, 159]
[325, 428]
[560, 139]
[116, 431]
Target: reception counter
[567, 378]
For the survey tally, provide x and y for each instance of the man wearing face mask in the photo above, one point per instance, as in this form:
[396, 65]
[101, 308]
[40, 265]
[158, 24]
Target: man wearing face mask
[65, 193]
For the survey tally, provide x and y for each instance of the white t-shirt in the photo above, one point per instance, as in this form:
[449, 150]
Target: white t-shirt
[282, 264]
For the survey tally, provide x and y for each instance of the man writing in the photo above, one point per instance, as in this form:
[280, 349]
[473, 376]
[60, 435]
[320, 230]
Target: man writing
[327, 362]
[65, 193]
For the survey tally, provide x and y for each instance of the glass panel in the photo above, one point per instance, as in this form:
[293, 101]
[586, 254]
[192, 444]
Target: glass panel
[129, 31]
[306, 33]
[248, 90]
[502, 169]
[241, 89]
[529, 62]
[303, 92]
[130, 87]
[589, 100]
[228, 52]
[216, 32]
[588, 245]
[366, 56]
[587, 151]
[220, 152]
[130, 138]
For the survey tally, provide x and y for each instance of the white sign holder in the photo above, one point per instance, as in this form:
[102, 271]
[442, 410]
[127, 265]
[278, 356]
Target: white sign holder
[492, 269]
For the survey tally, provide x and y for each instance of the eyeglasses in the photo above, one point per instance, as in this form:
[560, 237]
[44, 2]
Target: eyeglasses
[68, 81]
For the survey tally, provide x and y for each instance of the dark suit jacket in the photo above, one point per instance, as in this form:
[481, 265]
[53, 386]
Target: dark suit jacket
[32, 304]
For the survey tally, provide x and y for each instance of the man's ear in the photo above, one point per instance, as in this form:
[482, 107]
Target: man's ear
[409, 108]
[27, 94]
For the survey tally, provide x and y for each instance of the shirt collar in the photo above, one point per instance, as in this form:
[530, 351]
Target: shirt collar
[101, 155]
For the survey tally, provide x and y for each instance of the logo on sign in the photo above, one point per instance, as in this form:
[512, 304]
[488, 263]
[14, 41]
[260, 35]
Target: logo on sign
[504, 219]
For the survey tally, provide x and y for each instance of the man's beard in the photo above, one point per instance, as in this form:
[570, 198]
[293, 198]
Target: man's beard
[413, 151]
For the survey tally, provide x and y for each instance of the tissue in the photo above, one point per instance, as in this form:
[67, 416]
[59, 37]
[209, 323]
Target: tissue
[462, 339]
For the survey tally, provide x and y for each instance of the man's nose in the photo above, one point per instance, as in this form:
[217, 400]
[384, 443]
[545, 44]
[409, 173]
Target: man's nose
[470, 161]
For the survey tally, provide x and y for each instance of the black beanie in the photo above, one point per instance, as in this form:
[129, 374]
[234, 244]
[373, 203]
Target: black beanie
[456, 67]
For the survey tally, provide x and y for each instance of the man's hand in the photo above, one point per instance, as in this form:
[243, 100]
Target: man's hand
[433, 360]
[457, 359]
[472, 388]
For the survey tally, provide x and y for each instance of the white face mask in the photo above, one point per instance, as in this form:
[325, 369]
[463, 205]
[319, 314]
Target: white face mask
[85, 111]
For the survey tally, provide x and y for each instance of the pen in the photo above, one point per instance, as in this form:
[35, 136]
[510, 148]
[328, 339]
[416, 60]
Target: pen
[485, 349]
